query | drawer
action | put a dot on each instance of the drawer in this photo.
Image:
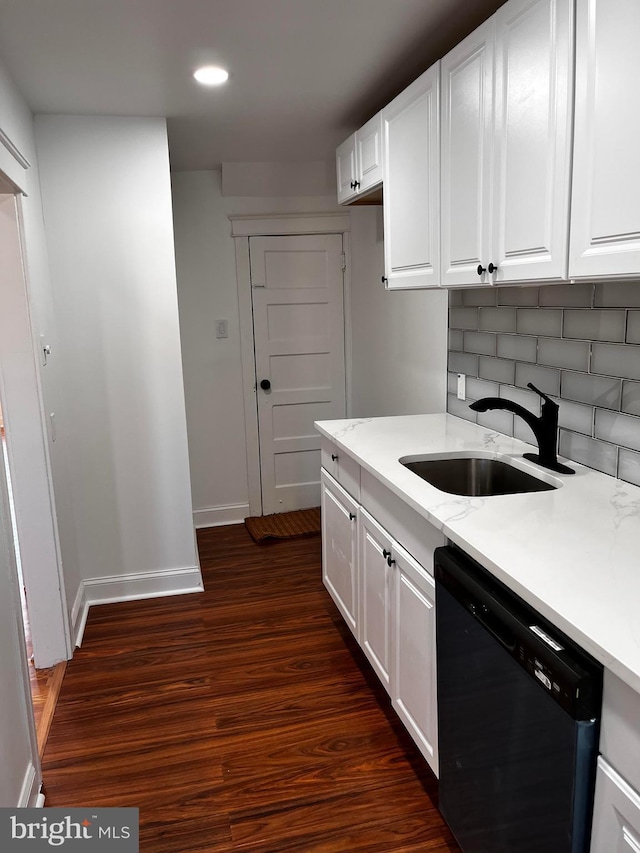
(620, 730)
(341, 466)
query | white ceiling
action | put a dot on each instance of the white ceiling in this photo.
(304, 73)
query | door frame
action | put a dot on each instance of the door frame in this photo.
(242, 228)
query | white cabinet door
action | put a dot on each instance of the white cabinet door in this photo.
(346, 171)
(413, 678)
(359, 163)
(616, 814)
(532, 140)
(369, 154)
(412, 185)
(506, 147)
(340, 548)
(605, 214)
(376, 575)
(467, 140)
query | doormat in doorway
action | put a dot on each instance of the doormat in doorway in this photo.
(283, 525)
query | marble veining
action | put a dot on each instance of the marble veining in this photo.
(571, 552)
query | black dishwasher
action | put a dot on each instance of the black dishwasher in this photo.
(518, 719)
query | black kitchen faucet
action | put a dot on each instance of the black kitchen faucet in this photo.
(545, 427)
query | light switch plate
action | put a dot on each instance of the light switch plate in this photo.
(462, 391)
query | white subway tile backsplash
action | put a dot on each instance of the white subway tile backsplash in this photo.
(497, 369)
(618, 429)
(498, 420)
(601, 391)
(463, 318)
(462, 362)
(517, 295)
(617, 294)
(455, 298)
(596, 454)
(616, 360)
(529, 399)
(477, 388)
(497, 319)
(575, 416)
(573, 355)
(629, 466)
(482, 343)
(517, 347)
(594, 325)
(460, 408)
(539, 321)
(633, 328)
(567, 296)
(547, 379)
(455, 339)
(578, 343)
(479, 296)
(631, 397)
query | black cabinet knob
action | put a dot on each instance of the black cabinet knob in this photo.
(481, 269)
(356, 185)
(390, 562)
(352, 185)
(334, 457)
(386, 554)
(352, 517)
(384, 279)
(265, 384)
(492, 268)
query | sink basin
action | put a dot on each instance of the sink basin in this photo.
(475, 476)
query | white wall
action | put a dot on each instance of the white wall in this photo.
(207, 291)
(399, 338)
(107, 206)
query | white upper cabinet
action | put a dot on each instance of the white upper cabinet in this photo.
(359, 161)
(605, 216)
(506, 147)
(412, 184)
(467, 132)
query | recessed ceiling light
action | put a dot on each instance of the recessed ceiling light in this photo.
(211, 75)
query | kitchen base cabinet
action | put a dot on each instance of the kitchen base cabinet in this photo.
(616, 815)
(340, 548)
(413, 692)
(385, 595)
(376, 578)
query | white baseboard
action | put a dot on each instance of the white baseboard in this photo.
(216, 516)
(30, 788)
(132, 587)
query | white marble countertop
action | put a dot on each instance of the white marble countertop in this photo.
(573, 552)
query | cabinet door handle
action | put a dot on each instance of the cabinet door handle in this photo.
(352, 185)
(386, 554)
(492, 268)
(334, 457)
(356, 185)
(481, 269)
(351, 516)
(390, 562)
(384, 279)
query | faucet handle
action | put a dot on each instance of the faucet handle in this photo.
(543, 395)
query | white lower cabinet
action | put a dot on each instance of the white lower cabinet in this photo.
(340, 548)
(388, 600)
(413, 682)
(376, 578)
(616, 814)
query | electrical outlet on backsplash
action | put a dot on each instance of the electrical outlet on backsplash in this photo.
(578, 343)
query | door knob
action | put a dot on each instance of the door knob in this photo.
(265, 384)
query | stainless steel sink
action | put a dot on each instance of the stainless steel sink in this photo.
(475, 476)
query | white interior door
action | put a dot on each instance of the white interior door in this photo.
(298, 323)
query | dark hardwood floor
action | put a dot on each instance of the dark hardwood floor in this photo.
(241, 719)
